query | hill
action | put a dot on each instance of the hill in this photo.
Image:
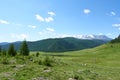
(102, 60)
(59, 44)
(99, 63)
(4, 43)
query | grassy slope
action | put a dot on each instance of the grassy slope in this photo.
(103, 60)
(100, 63)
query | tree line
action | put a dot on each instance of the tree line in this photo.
(24, 50)
(116, 40)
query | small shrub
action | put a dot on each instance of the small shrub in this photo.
(39, 62)
(47, 61)
(30, 58)
(4, 60)
(37, 54)
(87, 72)
(77, 77)
(20, 59)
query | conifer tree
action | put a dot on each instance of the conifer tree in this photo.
(4, 52)
(11, 50)
(116, 40)
(24, 50)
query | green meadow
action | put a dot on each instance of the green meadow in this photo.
(100, 63)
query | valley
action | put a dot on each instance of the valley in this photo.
(100, 63)
(59, 40)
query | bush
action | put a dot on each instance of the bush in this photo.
(39, 62)
(37, 54)
(47, 61)
(77, 76)
(4, 60)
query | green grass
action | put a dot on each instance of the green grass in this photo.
(100, 63)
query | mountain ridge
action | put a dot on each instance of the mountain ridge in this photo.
(59, 44)
(91, 36)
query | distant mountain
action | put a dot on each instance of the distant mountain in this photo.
(99, 37)
(4, 43)
(60, 44)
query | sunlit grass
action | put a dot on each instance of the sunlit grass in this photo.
(100, 63)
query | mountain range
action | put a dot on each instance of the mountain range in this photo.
(61, 44)
(91, 36)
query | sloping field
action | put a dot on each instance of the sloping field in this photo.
(100, 63)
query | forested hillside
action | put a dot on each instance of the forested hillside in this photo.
(59, 44)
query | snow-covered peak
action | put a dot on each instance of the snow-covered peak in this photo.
(100, 37)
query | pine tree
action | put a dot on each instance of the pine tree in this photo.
(24, 50)
(4, 52)
(116, 40)
(11, 50)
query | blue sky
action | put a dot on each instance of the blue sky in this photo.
(39, 19)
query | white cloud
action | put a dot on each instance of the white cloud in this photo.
(86, 11)
(108, 34)
(47, 31)
(65, 35)
(40, 18)
(32, 26)
(45, 19)
(4, 22)
(68, 35)
(51, 13)
(116, 25)
(41, 33)
(19, 36)
(23, 36)
(112, 13)
(50, 29)
(16, 24)
(49, 19)
(100, 34)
